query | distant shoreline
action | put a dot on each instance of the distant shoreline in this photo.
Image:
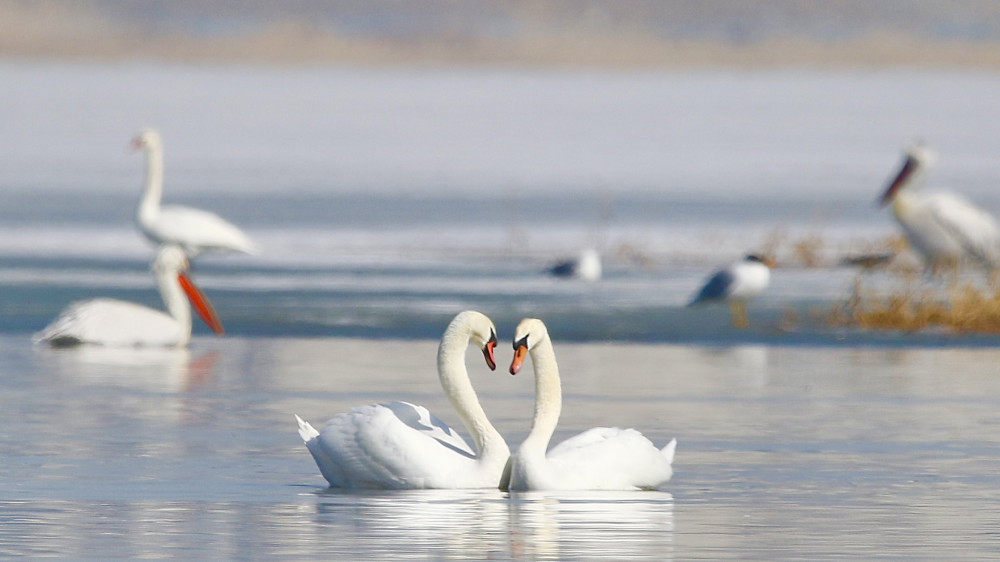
(286, 47)
(46, 30)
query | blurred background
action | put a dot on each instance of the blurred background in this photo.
(395, 161)
(629, 33)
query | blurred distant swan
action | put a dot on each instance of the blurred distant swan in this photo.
(601, 458)
(586, 266)
(400, 445)
(120, 323)
(736, 285)
(944, 228)
(192, 229)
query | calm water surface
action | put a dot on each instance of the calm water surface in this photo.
(387, 200)
(785, 452)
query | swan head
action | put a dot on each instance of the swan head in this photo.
(480, 330)
(171, 266)
(148, 139)
(916, 159)
(528, 334)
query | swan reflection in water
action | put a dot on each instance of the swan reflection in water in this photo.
(591, 524)
(489, 524)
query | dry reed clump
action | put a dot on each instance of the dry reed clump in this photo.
(962, 308)
(804, 251)
(813, 251)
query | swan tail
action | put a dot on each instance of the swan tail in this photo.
(306, 431)
(667, 451)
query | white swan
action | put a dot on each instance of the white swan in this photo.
(601, 458)
(943, 227)
(120, 323)
(399, 445)
(192, 229)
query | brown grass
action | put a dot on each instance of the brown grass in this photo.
(813, 250)
(962, 308)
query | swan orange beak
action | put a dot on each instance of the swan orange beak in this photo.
(491, 360)
(519, 353)
(200, 303)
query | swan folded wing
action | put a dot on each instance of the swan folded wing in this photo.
(372, 447)
(196, 229)
(611, 458)
(421, 419)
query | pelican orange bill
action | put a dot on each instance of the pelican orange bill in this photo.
(200, 303)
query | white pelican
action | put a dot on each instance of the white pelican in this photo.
(601, 458)
(945, 229)
(192, 229)
(586, 266)
(398, 445)
(736, 285)
(120, 323)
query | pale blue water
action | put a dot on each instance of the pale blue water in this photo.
(387, 200)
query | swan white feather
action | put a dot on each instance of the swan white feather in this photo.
(398, 445)
(602, 458)
(194, 230)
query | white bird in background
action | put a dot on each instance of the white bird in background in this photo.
(943, 227)
(736, 285)
(192, 229)
(119, 323)
(601, 458)
(586, 266)
(398, 445)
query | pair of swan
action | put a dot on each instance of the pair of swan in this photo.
(401, 445)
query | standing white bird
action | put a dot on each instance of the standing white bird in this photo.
(945, 229)
(601, 458)
(736, 285)
(192, 229)
(586, 266)
(398, 445)
(119, 323)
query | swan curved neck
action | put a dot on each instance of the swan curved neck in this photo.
(548, 397)
(150, 205)
(454, 378)
(175, 301)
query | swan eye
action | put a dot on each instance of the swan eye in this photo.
(493, 337)
(523, 341)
